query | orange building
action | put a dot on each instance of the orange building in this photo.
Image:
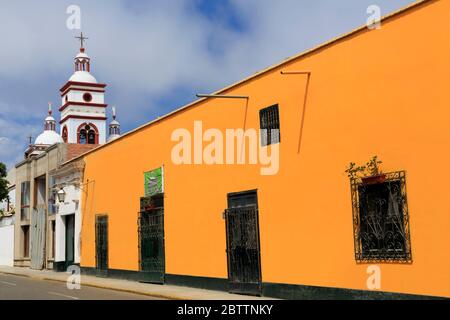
(302, 229)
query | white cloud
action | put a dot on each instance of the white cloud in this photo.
(147, 50)
(14, 133)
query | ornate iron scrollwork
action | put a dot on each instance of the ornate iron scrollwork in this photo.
(381, 220)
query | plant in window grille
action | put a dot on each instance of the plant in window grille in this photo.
(270, 125)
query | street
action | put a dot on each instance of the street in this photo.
(24, 288)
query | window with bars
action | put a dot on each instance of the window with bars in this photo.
(381, 220)
(25, 200)
(52, 195)
(270, 125)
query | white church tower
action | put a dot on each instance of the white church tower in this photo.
(83, 108)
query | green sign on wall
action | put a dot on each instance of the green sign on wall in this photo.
(153, 182)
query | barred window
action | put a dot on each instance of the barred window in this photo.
(25, 200)
(270, 125)
(52, 195)
(381, 220)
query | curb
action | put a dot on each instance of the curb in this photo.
(15, 274)
(93, 285)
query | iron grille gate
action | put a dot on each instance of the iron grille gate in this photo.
(243, 250)
(151, 240)
(101, 243)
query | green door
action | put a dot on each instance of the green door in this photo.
(151, 241)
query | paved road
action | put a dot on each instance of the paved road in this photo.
(23, 288)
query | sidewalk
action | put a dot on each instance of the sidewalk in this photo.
(160, 291)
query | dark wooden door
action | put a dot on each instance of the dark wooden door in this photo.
(243, 244)
(101, 243)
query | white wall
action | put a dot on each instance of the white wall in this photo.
(70, 206)
(7, 245)
(77, 96)
(60, 239)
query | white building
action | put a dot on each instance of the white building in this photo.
(68, 181)
(7, 223)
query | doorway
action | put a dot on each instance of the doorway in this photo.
(151, 239)
(243, 243)
(101, 243)
(38, 231)
(70, 240)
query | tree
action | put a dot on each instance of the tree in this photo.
(3, 182)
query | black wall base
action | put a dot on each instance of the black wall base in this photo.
(61, 266)
(300, 292)
(272, 290)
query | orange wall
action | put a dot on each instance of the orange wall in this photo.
(383, 92)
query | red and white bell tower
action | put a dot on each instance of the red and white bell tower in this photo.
(83, 108)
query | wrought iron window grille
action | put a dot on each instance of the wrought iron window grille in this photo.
(270, 125)
(381, 220)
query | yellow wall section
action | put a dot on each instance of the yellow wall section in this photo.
(383, 92)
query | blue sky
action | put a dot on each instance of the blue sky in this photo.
(154, 55)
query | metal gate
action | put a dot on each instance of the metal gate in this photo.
(101, 243)
(38, 239)
(243, 250)
(151, 240)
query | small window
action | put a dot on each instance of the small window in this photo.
(381, 220)
(91, 137)
(270, 125)
(87, 97)
(64, 134)
(25, 201)
(52, 195)
(82, 139)
(87, 134)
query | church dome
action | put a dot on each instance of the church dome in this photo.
(50, 119)
(82, 55)
(83, 76)
(48, 137)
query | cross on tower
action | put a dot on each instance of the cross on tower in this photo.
(82, 38)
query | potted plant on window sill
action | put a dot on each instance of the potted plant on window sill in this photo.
(379, 178)
(375, 175)
(369, 174)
